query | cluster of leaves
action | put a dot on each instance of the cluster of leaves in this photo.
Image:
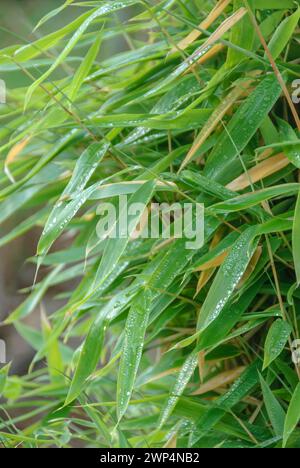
(157, 345)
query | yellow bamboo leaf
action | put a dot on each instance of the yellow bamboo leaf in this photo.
(214, 120)
(193, 35)
(207, 274)
(217, 35)
(259, 172)
(220, 380)
(225, 26)
(214, 263)
(204, 279)
(13, 153)
(253, 262)
(172, 442)
(208, 55)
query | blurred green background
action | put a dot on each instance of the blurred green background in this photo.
(17, 21)
(18, 18)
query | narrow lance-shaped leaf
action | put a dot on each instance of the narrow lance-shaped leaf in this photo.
(283, 34)
(242, 127)
(182, 380)
(64, 209)
(202, 50)
(54, 358)
(135, 330)
(273, 407)
(228, 278)
(44, 43)
(3, 376)
(288, 134)
(293, 416)
(296, 239)
(236, 393)
(276, 340)
(116, 246)
(84, 69)
(242, 33)
(250, 199)
(190, 119)
(89, 357)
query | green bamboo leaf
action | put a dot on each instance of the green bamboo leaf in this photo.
(65, 210)
(116, 246)
(296, 237)
(84, 69)
(89, 357)
(242, 127)
(135, 330)
(242, 34)
(54, 358)
(274, 409)
(236, 393)
(188, 120)
(289, 135)
(182, 380)
(293, 416)
(276, 340)
(248, 200)
(228, 318)
(169, 102)
(228, 278)
(3, 377)
(283, 34)
(127, 188)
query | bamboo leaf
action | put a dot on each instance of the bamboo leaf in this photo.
(242, 127)
(274, 409)
(283, 34)
(84, 69)
(135, 329)
(293, 416)
(116, 246)
(89, 357)
(227, 278)
(3, 377)
(296, 237)
(276, 340)
(64, 211)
